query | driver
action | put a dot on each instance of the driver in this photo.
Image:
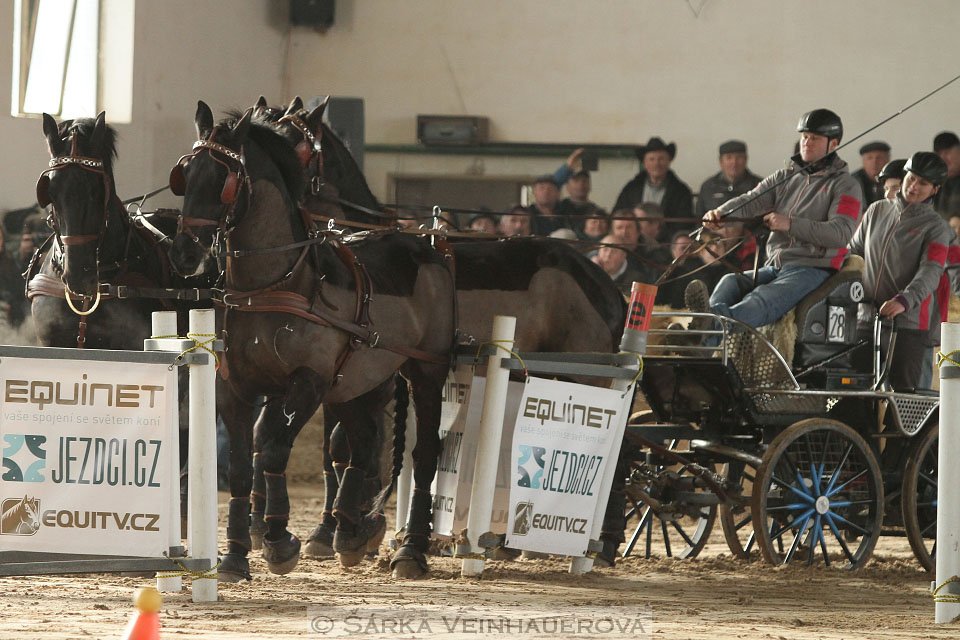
(811, 213)
(904, 245)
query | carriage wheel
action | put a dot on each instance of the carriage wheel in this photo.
(680, 535)
(919, 497)
(737, 520)
(818, 494)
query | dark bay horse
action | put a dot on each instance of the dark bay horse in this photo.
(562, 301)
(300, 327)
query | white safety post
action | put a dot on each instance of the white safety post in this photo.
(164, 323)
(405, 481)
(202, 465)
(634, 341)
(948, 476)
(488, 445)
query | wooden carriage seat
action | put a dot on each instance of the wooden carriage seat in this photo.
(824, 322)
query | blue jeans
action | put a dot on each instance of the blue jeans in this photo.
(777, 291)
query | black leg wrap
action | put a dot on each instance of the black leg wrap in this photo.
(277, 513)
(346, 507)
(330, 488)
(419, 521)
(614, 518)
(238, 526)
(258, 497)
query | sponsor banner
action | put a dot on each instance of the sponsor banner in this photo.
(451, 489)
(89, 449)
(565, 438)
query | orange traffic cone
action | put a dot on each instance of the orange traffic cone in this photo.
(145, 624)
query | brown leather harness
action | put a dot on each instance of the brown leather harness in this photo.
(275, 298)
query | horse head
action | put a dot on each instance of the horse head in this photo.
(78, 183)
(214, 182)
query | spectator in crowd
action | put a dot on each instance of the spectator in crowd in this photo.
(13, 302)
(947, 145)
(514, 223)
(626, 228)
(595, 225)
(811, 209)
(483, 222)
(35, 231)
(890, 178)
(731, 235)
(873, 156)
(734, 179)
(657, 183)
(544, 215)
(614, 262)
(904, 243)
(954, 223)
(650, 224)
(670, 292)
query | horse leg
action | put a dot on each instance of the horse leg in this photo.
(360, 526)
(409, 561)
(614, 518)
(320, 542)
(277, 429)
(238, 417)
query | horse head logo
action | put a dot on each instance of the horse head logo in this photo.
(522, 518)
(20, 516)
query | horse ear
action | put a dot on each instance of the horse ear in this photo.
(99, 132)
(203, 119)
(316, 116)
(239, 133)
(52, 133)
(261, 103)
(295, 105)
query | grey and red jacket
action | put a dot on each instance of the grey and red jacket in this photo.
(823, 207)
(905, 248)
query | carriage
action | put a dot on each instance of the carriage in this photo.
(804, 456)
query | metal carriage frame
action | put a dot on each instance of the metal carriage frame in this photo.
(838, 459)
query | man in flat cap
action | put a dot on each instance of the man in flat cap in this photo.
(946, 144)
(658, 184)
(874, 156)
(544, 217)
(734, 179)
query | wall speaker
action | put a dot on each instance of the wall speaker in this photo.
(345, 117)
(311, 13)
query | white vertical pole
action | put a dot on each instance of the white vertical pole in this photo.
(164, 323)
(405, 481)
(488, 445)
(948, 474)
(202, 466)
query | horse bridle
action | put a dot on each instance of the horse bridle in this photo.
(94, 165)
(310, 149)
(235, 164)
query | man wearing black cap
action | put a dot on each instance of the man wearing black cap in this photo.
(544, 218)
(658, 184)
(946, 144)
(873, 155)
(734, 179)
(811, 209)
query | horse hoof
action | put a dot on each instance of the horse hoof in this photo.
(320, 543)
(257, 528)
(233, 568)
(350, 558)
(281, 555)
(408, 563)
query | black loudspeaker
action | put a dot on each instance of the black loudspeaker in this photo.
(311, 13)
(345, 117)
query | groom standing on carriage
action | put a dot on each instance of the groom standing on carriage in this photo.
(811, 209)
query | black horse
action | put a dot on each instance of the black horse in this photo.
(562, 301)
(301, 327)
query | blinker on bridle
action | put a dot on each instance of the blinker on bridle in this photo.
(94, 165)
(236, 178)
(308, 149)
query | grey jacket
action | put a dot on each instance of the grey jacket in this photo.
(905, 248)
(823, 207)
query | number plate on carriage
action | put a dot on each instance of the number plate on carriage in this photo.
(836, 324)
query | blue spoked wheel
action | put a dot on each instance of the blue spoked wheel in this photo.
(919, 498)
(818, 496)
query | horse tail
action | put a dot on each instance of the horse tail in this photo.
(401, 401)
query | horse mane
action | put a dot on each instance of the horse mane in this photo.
(352, 179)
(264, 133)
(84, 129)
